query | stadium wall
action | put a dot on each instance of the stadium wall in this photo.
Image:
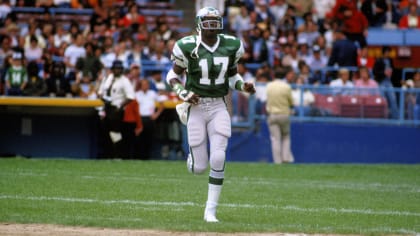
(315, 142)
(35, 134)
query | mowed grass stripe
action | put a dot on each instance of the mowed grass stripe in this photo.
(232, 205)
(378, 187)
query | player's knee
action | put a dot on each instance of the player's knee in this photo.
(199, 169)
(217, 160)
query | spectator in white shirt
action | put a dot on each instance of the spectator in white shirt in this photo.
(33, 52)
(5, 9)
(241, 22)
(321, 8)
(61, 35)
(73, 52)
(317, 61)
(147, 99)
(343, 84)
(278, 9)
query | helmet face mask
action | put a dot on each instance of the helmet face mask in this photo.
(211, 24)
(208, 18)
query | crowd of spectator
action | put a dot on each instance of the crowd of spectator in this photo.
(300, 39)
(291, 39)
(73, 57)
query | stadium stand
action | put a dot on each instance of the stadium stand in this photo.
(335, 105)
(156, 5)
(173, 17)
(150, 10)
(374, 106)
(350, 106)
(329, 103)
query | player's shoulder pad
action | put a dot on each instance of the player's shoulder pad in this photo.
(187, 43)
(230, 39)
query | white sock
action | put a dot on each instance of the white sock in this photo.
(213, 198)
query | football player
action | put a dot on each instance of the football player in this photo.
(209, 60)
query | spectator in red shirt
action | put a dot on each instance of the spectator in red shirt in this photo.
(412, 19)
(337, 12)
(354, 23)
(132, 18)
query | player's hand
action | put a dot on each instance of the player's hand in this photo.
(188, 96)
(194, 99)
(249, 87)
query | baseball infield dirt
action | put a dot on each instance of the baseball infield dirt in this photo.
(58, 230)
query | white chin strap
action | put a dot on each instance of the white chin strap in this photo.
(194, 53)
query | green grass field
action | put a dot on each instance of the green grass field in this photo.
(257, 197)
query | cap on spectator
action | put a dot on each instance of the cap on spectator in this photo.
(316, 48)
(283, 40)
(117, 64)
(17, 55)
(134, 65)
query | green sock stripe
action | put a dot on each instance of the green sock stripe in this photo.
(192, 160)
(215, 181)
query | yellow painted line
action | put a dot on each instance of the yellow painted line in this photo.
(62, 102)
(170, 104)
(49, 102)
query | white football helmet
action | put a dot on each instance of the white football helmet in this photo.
(209, 18)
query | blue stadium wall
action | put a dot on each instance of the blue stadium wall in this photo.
(314, 142)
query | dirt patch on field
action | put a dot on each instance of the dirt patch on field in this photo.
(53, 230)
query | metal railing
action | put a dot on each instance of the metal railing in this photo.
(387, 106)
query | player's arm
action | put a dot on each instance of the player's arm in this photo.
(235, 79)
(237, 82)
(173, 79)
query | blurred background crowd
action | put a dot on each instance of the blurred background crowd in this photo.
(69, 54)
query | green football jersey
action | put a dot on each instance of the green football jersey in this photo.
(16, 76)
(207, 75)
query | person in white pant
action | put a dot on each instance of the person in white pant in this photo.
(210, 62)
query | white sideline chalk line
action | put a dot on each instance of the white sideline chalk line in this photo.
(158, 203)
(379, 187)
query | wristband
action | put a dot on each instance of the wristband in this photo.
(182, 93)
(178, 88)
(236, 82)
(239, 85)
